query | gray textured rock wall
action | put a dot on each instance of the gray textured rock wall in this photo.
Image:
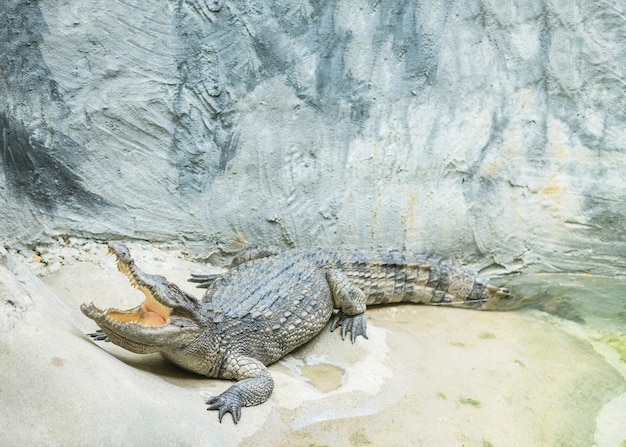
(485, 130)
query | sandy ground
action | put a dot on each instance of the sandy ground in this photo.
(427, 376)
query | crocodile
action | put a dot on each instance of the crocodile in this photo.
(270, 302)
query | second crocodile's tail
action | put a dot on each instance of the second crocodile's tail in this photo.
(395, 277)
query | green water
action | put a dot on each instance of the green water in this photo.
(596, 304)
(593, 301)
(593, 309)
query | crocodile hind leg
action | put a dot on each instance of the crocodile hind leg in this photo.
(252, 253)
(350, 300)
(245, 255)
(254, 386)
(204, 281)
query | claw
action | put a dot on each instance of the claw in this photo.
(345, 327)
(204, 280)
(224, 405)
(99, 335)
(355, 324)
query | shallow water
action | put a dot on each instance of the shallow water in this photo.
(596, 303)
(591, 308)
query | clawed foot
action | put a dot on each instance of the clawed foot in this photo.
(226, 403)
(99, 335)
(355, 324)
(204, 280)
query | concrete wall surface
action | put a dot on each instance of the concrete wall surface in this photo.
(490, 131)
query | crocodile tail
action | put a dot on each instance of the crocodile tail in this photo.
(404, 277)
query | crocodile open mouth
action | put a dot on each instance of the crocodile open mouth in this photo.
(151, 312)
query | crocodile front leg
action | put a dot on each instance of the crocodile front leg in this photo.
(254, 386)
(350, 300)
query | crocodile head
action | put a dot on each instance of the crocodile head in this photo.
(169, 318)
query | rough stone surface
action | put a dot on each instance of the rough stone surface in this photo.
(426, 376)
(486, 130)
